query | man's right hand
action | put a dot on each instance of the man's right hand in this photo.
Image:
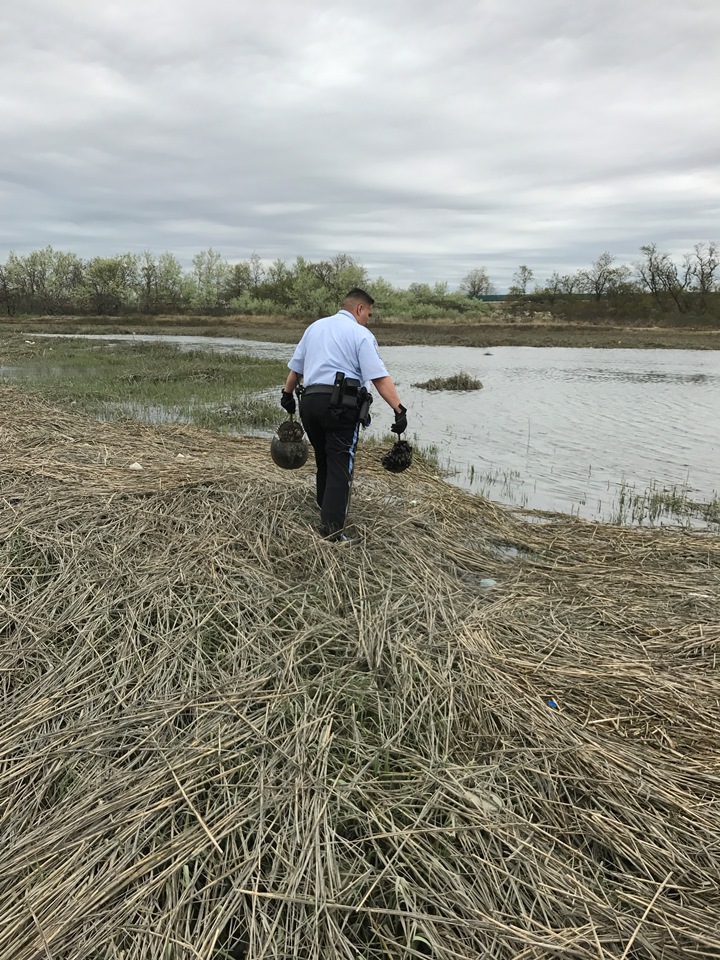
(400, 425)
(287, 402)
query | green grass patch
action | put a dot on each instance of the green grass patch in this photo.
(147, 381)
(658, 503)
(458, 381)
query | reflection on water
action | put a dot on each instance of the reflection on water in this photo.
(621, 376)
(555, 428)
(645, 376)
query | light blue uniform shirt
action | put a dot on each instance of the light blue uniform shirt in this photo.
(337, 343)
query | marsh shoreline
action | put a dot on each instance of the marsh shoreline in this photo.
(389, 332)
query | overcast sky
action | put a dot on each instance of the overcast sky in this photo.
(423, 138)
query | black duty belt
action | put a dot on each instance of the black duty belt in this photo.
(318, 388)
(352, 385)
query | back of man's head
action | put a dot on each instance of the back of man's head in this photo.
(355, 296)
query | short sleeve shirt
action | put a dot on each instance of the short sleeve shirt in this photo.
(337, 344)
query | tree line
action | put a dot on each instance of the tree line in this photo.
(689, 285)
(55, 282)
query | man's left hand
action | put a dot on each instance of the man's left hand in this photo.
(287, 402)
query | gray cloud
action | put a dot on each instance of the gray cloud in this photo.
(424, 139)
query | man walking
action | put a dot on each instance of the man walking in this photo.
(336, 358)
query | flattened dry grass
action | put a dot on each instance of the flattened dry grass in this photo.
(223, 737)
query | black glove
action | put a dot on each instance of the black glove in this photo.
(287, 402)
(400, 425)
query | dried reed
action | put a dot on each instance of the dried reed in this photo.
(224, 737)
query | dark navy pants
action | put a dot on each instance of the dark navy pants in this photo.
(334, 436)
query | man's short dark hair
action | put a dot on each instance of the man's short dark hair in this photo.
(356, 295)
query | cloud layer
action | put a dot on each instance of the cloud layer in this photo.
(422, 138)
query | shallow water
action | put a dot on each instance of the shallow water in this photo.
(553, 428)
(564, 429)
